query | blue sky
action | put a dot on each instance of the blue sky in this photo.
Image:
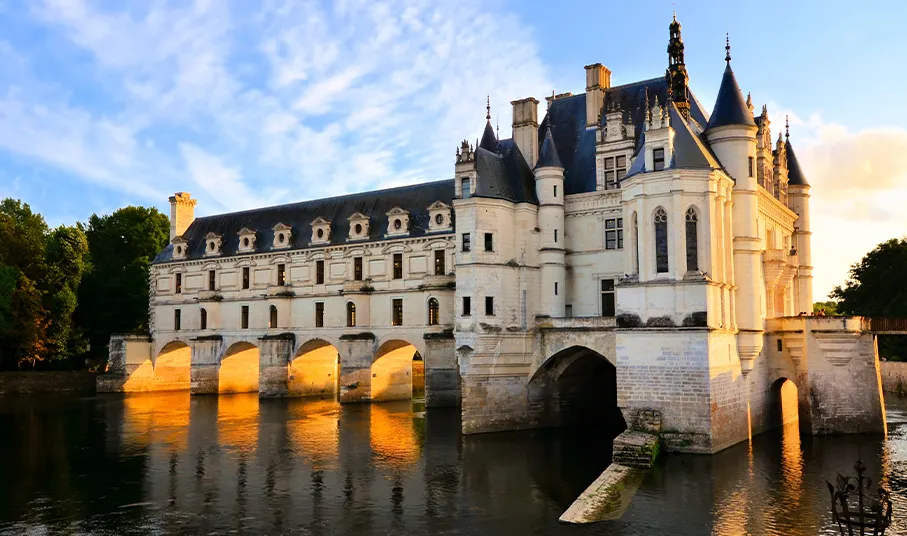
(109, 103)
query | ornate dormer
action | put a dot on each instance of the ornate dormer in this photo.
(465, 170)
(180, 247)
(439, 217)
(321, 231)
(397, 222)
(358, 226)
(246, 240)
(213, 244)
(283, 235)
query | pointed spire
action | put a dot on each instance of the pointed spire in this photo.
(548, 153)
(794, 173)
(786, 126)
(727, 48)
(489, 140)
(488, 108)
(730, 107)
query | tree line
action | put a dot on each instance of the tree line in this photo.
(64, 290)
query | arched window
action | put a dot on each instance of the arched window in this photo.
(203, 324)
(692, 232)
(350, 314)
(636, 243)
(661, 241)
(273, 321)
(434, 312)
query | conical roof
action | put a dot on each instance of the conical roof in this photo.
(489, 140)
(794, 173)
(548, 153)
(730, 106)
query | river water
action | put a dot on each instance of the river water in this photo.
(171, 464)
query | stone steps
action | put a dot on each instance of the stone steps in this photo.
(635, 449)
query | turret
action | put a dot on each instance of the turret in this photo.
(798, 201)
(549, 188)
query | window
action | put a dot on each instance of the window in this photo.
(398, 266)
(397, 312)
(489, 305)
(281, 274)
(466, 244)
(661, 241)
(244, 320)
(203, 322)
(555, 288)
(752, 166)
(555, 235)
(272, 321)
(350, 314)
(464, 184)
(607, 297)
(615, 169)
(467, 306)
(357, 268)
(692, 236)
(555, 190)
(434, 312)
(439, 262)
(177, 314)
(658, 158)
(439, 219)
(780, 347)
(489, 242)
(212, 279)
(614, 233)
(319, 272)
(179, 283)
(636, 241)
(245, 277)
(319, 314)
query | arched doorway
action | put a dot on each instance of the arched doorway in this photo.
(784, 405)
(315, 370)
(171, 368)
(392, 371)
(239, 369)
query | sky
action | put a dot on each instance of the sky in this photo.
(104, 104)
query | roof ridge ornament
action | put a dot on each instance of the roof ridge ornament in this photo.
(727, 47)
(488, 108)
(786, 127)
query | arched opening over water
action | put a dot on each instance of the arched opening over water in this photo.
(315, 370)
(783, 404)
(393, 371)
(239, 369)
(171, 368)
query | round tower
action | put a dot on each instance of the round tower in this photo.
(549, 188)
(798, 201)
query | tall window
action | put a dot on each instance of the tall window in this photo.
(177, 317)
(272, 321)
(281, 274)
(615, 169)
(467, 306)
(397, 312)
(464, 184)
(489, 242)
(244, 317)
(607, 297)
(245, 277)
(357, 268)
(752, 162)
(434, 312)
(212, 279)
(555, 288)
(636, 241)
(555, 190)
(489, 305)
(658, 158)
(203, 321)
(179, 283)
(319, 314)
(614, 233)
(466, 242)
(692, 222)
(350, 314)
(555, 235)
(661, 241)
(398, 266)
(319, 272)
(439, 262)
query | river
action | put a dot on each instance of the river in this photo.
(174, 464)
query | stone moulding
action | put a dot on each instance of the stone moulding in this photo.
(838, 348)
(364, 336)
(440, 335)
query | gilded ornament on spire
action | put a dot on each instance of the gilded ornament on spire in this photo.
(676, 75)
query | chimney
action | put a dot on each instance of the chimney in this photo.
(526, 128)
(182, 213)
(598, 80)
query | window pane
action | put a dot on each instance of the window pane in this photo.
(489, 242)
(467, 306)
(692, 247)
(621, 161)
(609, 163)
(607, 285)
(661, 241)
(610, 223)
(608, 304)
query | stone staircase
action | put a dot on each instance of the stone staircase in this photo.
(633, 448)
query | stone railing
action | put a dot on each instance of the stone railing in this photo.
(438, 281)
(576, 322)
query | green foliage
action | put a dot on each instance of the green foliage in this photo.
(827, 308)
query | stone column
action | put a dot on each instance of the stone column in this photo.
(356, 354)
(275, 354)
(203, 373)
(442, 374)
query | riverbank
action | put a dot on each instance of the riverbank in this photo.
(63, 381)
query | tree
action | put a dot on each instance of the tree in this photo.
(66, 261)
(826, 308)
(113, 297)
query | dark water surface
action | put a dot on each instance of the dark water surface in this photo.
(168, 464)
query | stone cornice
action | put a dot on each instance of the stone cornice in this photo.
(775, 211)
(592, 203)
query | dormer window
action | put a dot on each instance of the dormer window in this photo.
(658, 159)
(213, 243)
(397, 222)
(246, 240)
(358, 226)
(439, 217)
(465, 191)
(282, 235)
(321, 231)
(615, 169)
(180, 248)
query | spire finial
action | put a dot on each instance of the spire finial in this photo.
(727, 48)
(497, 127)
(488, 108)
(786, 127)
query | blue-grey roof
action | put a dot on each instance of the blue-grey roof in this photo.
(415, 199)
(504, 174)
(489, 140)
(794, 173)
(730, 106)
(548, 153)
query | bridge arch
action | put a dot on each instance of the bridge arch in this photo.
(783, 406)
(393, 366)
(172, 366)
(314, 369)
(239, 368)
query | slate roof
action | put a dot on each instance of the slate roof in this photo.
(299, 216)
(504, 174)
(548, 153)
(794, 173)
(489, 140)
(730, 107)
(691, 151)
